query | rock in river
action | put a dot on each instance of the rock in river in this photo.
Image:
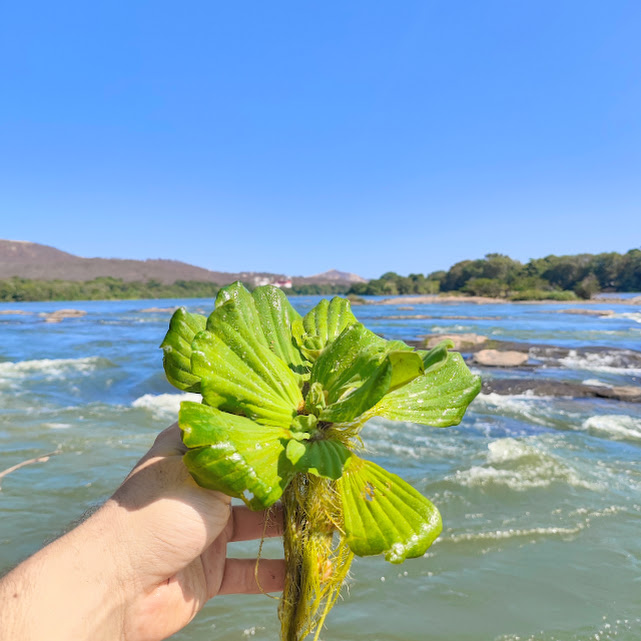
(462, 342)
(496, 358)
(59, 314)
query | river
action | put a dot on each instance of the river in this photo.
(540, 496)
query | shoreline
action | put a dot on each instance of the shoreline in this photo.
(409, 299)
(424, 299)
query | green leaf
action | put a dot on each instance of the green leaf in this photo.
(240, 375)
(295, 451)
(176, 347)
(385, 515)
(354, 371)
(406, 366)
(244, 319)
(305, 424)
(269, 315)
(241, 331)
(233, 455)
(238, 293)
(398, 346)
(276, 317)
(437, 355)
(438, 398)
(322, 325)
(324, 458)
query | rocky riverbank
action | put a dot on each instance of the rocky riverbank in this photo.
(500, 361)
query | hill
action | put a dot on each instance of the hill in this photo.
(41, 262)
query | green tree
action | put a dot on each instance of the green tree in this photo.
(587, 287)
(486, 287)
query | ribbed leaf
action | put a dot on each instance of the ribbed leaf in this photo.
(233, 455)
(244, 319)
(323, 458)
(242, 332)
(322, 325)
(355, 373)
(385, 515)
(357, 369)
(276, 317)
(438, 398)
(269, 315)
(176, 347)
(240, 375)
(239, 294)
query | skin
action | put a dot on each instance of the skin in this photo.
(142, 566)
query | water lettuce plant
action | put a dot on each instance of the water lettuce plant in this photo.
(284, 399)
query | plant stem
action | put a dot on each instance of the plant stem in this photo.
(316, 564)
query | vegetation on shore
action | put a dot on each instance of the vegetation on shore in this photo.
(499, 276)
(551, 278)
(106, 288)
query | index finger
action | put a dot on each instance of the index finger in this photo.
(169, 442)
(248, 524)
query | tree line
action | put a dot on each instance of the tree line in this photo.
(495, 275)
(106, 288)
(103, 288)
(498, 275)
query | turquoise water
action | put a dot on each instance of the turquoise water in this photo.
(540, 497)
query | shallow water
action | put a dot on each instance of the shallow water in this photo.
(540, 497)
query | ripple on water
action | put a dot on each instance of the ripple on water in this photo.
(521, 465)
(164, 406)
(11, 373)
(621, 362)
(615, 426)
(609, 629)
(533, 409)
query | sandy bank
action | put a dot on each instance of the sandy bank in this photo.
(421, 300)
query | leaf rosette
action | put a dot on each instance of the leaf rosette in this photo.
(284, 399)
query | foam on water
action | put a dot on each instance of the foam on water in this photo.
(634, 316)
(513, 533)
(439, 329)
(509, 449)
(609, 629)
(616, 426)
(595, 382)
(533, 408)
(50, 369)
(572, 524)
(164, 405)
(57, 426)
(409, 442)
(520, 466)
(598, 362)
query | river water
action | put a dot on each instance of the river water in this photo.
(540, 496)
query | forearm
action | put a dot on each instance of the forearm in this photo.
(71, 589)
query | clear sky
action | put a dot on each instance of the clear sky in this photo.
(296, 137)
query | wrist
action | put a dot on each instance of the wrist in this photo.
(100, 546)
(82, 569)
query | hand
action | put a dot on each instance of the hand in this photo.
(144, 564)
(178, 547)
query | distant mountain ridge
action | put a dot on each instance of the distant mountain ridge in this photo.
(335, 276)
(42, 262)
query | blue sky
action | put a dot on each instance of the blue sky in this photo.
(296, 137)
